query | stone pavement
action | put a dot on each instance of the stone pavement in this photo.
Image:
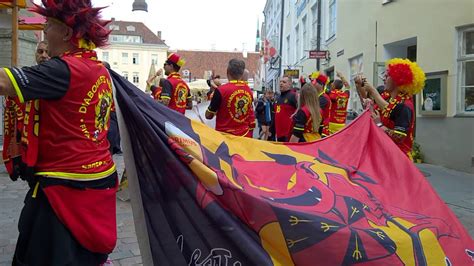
(11, 201)
(456, 189)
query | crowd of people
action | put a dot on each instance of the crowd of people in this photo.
(319, 107)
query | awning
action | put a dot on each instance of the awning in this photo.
(31, 23)
(198, 85)
(8, 3)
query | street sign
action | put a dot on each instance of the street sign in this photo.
(293, 73)
(314, 54)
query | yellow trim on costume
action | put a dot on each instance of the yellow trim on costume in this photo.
(76, 176)
(15, 84)
(165, 97)
(321, 93)
(298, 128)
(246, 132)
(238, 82)
(400, 133)
(35, 191)
(212, 112)
(84, 44)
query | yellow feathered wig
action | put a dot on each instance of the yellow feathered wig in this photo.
(406, 75)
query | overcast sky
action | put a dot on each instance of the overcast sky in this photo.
(195, 24)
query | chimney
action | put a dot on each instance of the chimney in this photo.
(159, 34)
(112, 19)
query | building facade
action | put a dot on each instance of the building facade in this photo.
(361, 35)
(133, 49)
(271, 41)
(300, 36)
(203, 64)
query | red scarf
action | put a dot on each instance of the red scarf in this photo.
(20, 143)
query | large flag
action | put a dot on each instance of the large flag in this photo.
(215, 199)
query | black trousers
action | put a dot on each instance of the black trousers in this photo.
(44, 240)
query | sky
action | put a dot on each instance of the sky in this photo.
(222, 25)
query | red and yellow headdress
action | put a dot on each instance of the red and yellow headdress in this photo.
(176, 59)
(406, 75)
(89, 29)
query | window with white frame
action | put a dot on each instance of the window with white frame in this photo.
(125, 75)
(297, 43)
(305, 33)
(154, 59)
(314, 23)
(136, 79)
(135, 57)
(466, 70)
(356, 67)
(105, 56)
(332, 19)
(288, 49)
(124, 58)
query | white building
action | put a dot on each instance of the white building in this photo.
(300, 35)
(133, 49)
(361, 35)
(271, 38)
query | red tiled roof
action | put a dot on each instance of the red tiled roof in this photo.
(198, 62)
(140, 30)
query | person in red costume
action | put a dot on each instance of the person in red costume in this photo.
(69, 213)
(320, 81)
(285, 107)
(175, 93)
(395, 112)
(339, 96)
(232, 103)
(308, 116)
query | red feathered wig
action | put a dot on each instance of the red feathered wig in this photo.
(89, 29)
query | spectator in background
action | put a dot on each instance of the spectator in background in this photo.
(264, 114)
(285, 106)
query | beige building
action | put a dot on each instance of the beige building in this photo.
(361, 35)
(133, 49)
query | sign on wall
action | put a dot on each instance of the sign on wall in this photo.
(293, 73)
(433, 96)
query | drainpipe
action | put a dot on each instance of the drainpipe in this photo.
(318, 38)
(281, 36)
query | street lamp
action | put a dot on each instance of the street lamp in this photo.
(140, 5)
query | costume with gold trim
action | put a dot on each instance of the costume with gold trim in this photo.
(233, 106)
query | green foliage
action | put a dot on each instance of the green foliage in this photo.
(417, 154)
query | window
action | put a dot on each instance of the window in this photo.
(125, 38)
(136, 79)
(332, 18)
(154, 59)
(130, 28)
(314, 25)
(466, 70)
(297, 43)
(288, 50)
(305, 34)
(105, 56)
(356, 66)
(125, 75)
(135, 57)
(124, 58)
(114, 27)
